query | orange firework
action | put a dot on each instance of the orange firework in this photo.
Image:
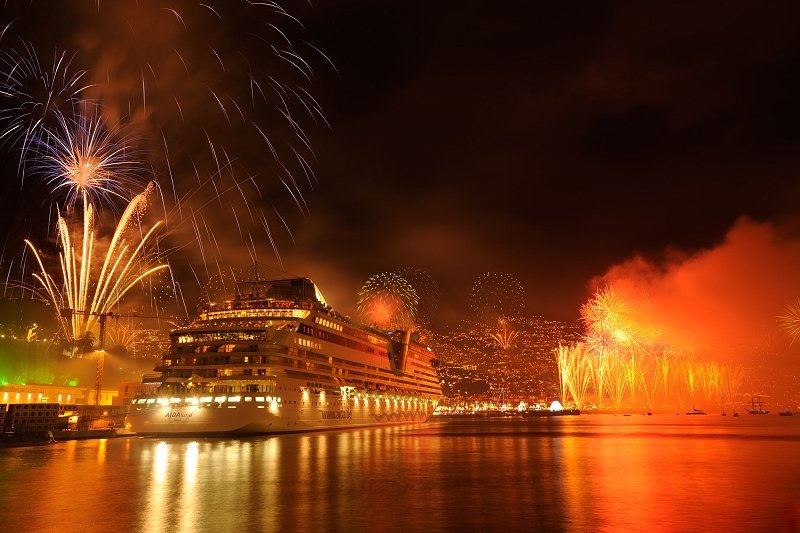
(607, 312)
(789, 321)
(388, 301)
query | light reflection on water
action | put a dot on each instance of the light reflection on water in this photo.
(588, 473)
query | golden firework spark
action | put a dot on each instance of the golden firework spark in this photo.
(504, 336)
(607, 312)
(85, 294)
(789, 321)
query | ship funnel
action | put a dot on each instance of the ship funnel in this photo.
(398, 350)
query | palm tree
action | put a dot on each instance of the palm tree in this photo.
(84, 343)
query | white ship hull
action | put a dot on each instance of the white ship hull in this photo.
(248, 416)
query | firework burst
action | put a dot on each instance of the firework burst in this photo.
(789, 321)
(388, 301)
(607, 312)
(85, 158)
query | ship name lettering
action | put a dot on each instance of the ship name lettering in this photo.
(177, 414)
(337, 415)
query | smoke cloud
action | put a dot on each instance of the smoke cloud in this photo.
(718, 302)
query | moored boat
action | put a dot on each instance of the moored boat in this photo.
(757, 407)
(26, 438)
(696, 411)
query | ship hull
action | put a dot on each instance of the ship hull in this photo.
(252, 418)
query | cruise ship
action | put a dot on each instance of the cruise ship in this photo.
(276, 358)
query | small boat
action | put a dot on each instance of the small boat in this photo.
(26, 438)
(735, 413)
(695, 411)
(786, 412)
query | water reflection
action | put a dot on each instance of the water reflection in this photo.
(157, 500)
(101, 450)
(189, 495)
(587, 474)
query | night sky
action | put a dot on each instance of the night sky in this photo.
(547, 140)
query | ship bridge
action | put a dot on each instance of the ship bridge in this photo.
(260, 291)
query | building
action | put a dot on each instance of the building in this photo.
(129, 389)
(62, 394)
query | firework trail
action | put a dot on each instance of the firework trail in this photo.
(730, 383)
(88, 290)
(575, 372)
(35, 96)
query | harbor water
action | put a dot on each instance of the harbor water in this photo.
(581, 473)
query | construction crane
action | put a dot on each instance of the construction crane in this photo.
(101, 320)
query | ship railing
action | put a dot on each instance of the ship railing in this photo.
(245, 377)
(205, 399)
